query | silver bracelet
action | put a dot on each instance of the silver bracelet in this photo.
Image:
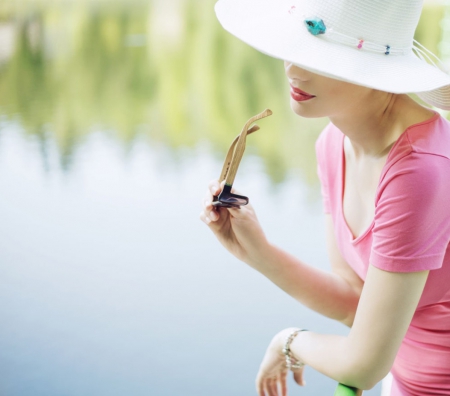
(291, 363)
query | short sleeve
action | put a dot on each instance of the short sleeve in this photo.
(412, 215)
(321, 172)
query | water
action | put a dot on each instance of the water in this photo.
(109, 282)
(111, 285)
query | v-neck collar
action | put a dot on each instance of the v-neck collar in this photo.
(354, 240)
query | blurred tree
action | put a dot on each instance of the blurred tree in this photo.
(163, 70)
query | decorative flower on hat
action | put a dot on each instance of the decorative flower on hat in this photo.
(315, 26)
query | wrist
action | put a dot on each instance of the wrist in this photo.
(279, 340)
(260, 257)
(286, 338)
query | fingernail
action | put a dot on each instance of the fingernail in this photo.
(213, 215)
(208, 220)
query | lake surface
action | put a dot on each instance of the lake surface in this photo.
(113, 119)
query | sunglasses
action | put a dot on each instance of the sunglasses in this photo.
(226, 198)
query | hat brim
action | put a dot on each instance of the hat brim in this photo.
(271, 29)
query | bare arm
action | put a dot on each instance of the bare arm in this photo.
(382, 319)
(333, 294)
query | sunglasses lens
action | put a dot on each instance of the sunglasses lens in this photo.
(219, 204)
(229, 200)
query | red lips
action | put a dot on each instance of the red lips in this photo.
(299, 95)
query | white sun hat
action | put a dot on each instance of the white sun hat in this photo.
(368, 43)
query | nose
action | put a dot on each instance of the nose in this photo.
(294, 72)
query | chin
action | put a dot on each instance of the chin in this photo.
(304, 110)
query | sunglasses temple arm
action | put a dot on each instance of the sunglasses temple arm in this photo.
(229, 157)
(240, 147)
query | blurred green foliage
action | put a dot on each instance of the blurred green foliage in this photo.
(163, 70)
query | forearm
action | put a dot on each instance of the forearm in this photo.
(339, 358)
(367, 354)
(324, 292)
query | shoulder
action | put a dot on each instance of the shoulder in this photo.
(411, 230)
(417, 180)
(430, 137)
(421, 155)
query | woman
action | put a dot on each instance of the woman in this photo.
(384, 166)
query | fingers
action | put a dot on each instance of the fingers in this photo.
(298, 377)
(272, 386)
(260, 388)
(237, 212)
(209, 213)
(205, 218)
(283, 384)
(240, 213)
(214, 187)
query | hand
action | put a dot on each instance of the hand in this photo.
(238, 230)
(272, 374)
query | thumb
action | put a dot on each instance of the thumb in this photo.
(298, 377)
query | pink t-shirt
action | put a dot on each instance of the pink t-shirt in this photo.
(410, 232)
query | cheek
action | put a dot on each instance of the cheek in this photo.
(336, 91)
(335, 96)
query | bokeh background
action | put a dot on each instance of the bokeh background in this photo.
(114, 115)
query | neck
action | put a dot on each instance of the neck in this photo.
(374, 124)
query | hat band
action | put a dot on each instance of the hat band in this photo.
(317, 27)
(427, 56)
(418, 49)
(361, 44)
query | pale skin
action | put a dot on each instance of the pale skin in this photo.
(372, 121)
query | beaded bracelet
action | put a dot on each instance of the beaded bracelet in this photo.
(291, 363)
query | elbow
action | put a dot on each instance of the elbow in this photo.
(378, 374)
(362, 381)
(364, 375)
(368, 383)
(349, 319)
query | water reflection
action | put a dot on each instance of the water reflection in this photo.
(163, 70)
(110, 285)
